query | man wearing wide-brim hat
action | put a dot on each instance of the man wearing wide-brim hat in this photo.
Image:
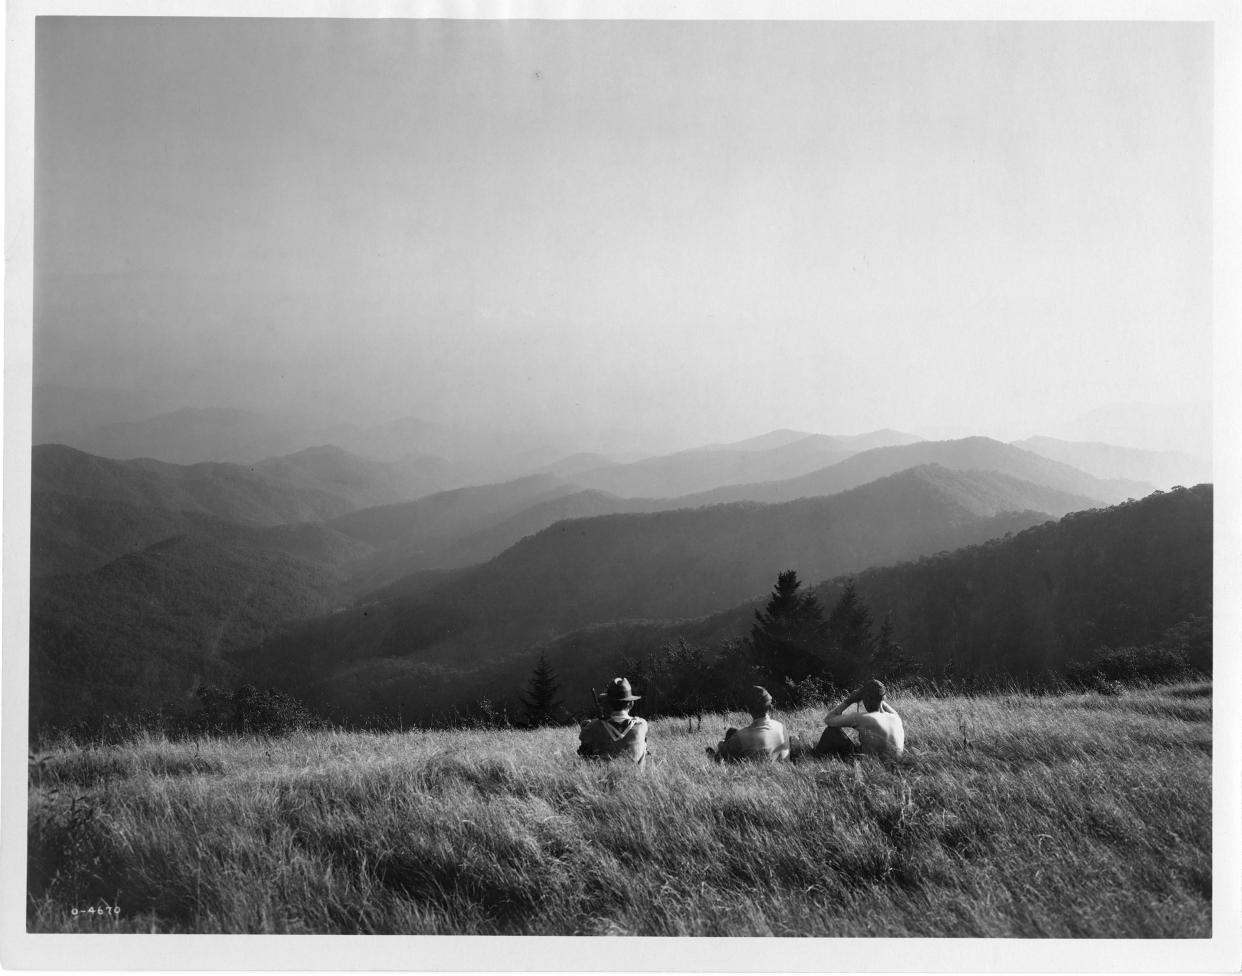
(764, 738)
(620, 735)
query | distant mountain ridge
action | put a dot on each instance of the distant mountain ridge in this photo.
(315, 484)
(985, 494)
(446, 512)
(193, 435)
(681, 563)
(768, 457)
(1028, 603)
(450, 456)
(1055, 593)
(60, 411)
(1184, 427)
(490, 536)
(1163, 469)
(971, 453)
(172, 566)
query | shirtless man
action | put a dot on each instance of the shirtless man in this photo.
(880, 730)
(764, 738)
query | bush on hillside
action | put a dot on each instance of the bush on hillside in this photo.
(249, 710)
(246, 710)
(810, 692)
(1129, 665)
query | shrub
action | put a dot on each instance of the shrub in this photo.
(810, 692)
(1129, 665)
(249, 710)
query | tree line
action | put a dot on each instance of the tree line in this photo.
(801, 654)
(805, 656)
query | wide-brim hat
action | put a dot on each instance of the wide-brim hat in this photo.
(619, 690)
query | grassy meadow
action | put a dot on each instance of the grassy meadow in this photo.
(1077, 815)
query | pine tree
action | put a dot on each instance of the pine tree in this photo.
(541, 701)
(889, 659)
(789, 636)
(850, 637)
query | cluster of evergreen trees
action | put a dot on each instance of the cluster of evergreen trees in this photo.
(795, 650)
(792, 643)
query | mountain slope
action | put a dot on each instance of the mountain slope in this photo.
(191, 435)
(312, 485)
(567, 467)
(359, 480)
(1164, 469)
(983, 493)
(768, 457)
(460, 545)
(971, 453)
(69, 534)
(1055, 593)
(1029, 603)
(467, 548)
(667, 564)
(449, 456)
(146, 627)
(447, 513)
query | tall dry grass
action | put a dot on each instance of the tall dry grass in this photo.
(1012, 815)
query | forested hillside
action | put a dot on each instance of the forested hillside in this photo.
(1028, 605)
(70, 534)
(134, 600)
(466, 543)
(1055, 593)
(666, 565)
(313, 486)
(147, 628)
(452, 542)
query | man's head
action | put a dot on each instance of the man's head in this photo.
(872, 694)
(619, 696)
(758, 702)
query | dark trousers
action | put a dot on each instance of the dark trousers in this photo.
(834, 742)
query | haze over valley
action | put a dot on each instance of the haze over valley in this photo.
(367, 584)
(373, 359)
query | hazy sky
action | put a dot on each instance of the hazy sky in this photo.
(714, 228)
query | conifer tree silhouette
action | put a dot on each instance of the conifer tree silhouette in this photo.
(789, 637)
(540, 700)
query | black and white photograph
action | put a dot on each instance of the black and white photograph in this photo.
(755, 478)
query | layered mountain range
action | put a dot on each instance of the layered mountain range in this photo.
(364, 582)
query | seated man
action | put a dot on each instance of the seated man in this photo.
(620, 735)
(764, 738)
(880, 730)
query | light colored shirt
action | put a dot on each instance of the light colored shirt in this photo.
(764, 738)
(880, 733)
(620, 735)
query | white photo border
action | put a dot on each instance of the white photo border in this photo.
(1223, 952)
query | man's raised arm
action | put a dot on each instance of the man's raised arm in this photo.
(837, 717)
